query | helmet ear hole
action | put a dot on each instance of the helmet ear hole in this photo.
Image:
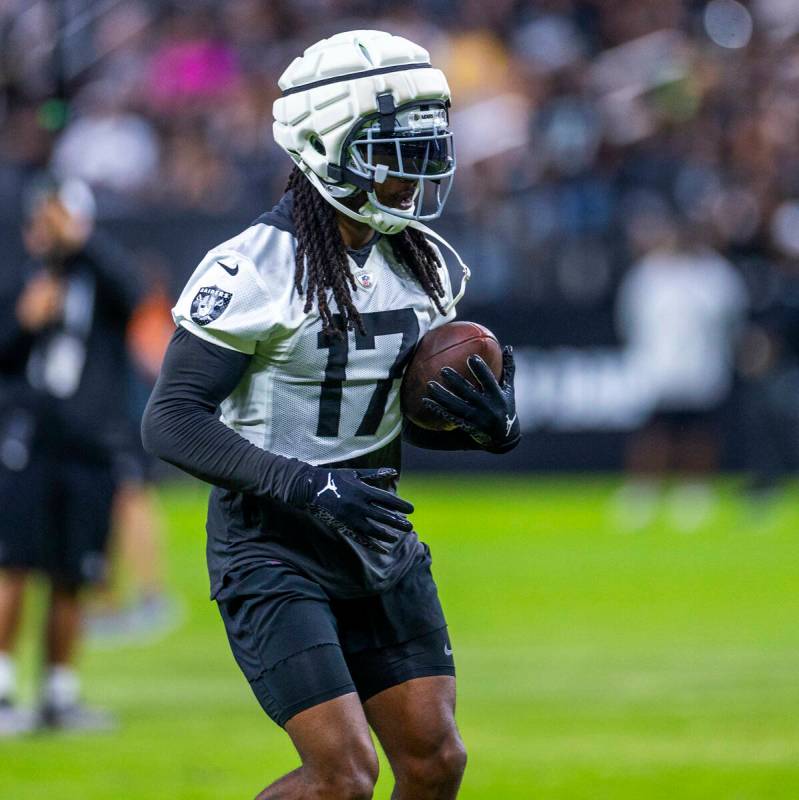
(317, 144)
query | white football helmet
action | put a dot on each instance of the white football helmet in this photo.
(362, 106)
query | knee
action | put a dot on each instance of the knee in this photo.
(352, 778)
(449, 762)
(441, 766)
(347, 784)
(355, 786)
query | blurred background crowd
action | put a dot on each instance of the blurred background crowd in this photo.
(627, 172)
(579, 123)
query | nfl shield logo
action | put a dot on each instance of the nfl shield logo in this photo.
(365, 279)
(209, 304)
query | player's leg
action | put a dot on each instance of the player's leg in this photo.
(63, 624)
(78, 537)
(23, 490)
(14, 721)
(338, 758)
(141, 537)
(23, 501)
(284, 637)
(135, 600)
(408, 692)
(415, 722)
(12, 590)
(61, 637)
(407, 687)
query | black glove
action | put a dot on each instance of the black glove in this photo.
(488, 416)
(355, 503)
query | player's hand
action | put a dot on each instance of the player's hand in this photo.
(356, 504)
(487, 414)
(55, 233)
(40, 302)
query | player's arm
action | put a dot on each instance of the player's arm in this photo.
(180, 426)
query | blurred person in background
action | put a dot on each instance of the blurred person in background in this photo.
(63, 318)
(680, 311)
(768, 363)
(136, 602)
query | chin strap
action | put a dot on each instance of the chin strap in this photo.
(466, 273)
(377, 220)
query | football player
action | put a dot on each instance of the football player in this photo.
(299, 329)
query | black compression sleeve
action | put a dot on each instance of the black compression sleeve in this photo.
(180, 423)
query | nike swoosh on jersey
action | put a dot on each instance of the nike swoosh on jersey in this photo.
(229, 270)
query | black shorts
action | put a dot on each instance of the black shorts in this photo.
(298, 648)
(55, 517)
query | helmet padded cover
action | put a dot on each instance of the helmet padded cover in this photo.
(320, 119)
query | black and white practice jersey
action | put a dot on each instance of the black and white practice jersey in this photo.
(307, 395)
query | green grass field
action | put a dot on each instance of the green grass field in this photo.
(592, 663)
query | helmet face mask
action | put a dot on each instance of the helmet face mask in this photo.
(419, 148)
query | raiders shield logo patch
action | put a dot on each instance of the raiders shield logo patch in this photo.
(209, 304)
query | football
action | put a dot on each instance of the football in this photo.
(447, 346)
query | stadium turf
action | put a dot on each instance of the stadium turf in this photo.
(592, 663)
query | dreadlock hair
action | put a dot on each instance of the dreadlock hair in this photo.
(321, 250)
